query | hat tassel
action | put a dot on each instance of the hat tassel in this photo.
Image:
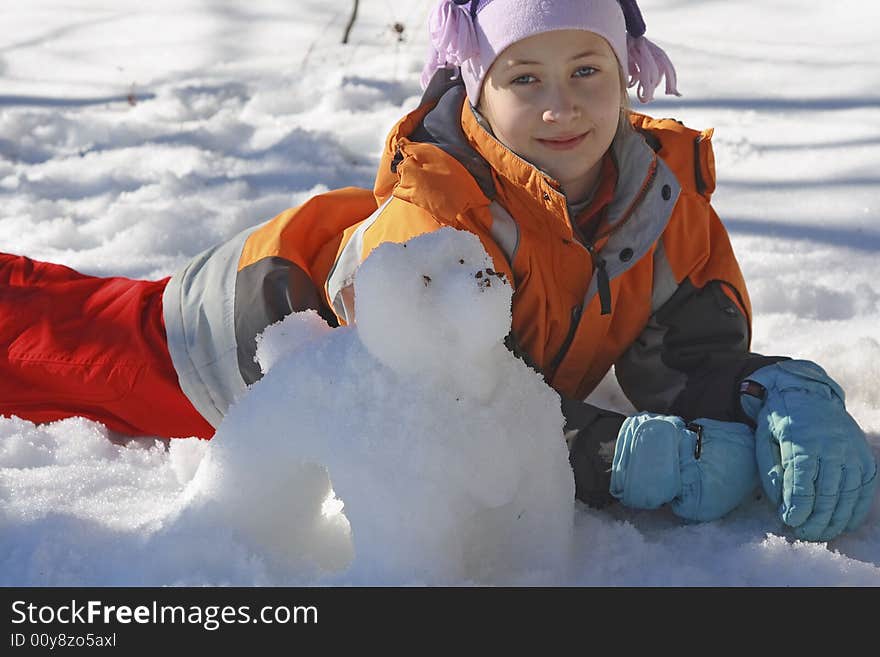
(648, 64)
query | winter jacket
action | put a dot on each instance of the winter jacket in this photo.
(657, 293)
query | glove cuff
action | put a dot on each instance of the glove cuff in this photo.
(801, 375)
(752, 395)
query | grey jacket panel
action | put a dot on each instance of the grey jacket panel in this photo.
(199, 313)
(266, 292)
(649, 218)
(647, 381)
(691, 357)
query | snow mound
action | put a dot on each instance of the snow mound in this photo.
(445, 452)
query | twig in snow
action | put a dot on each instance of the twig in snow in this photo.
(354, 13)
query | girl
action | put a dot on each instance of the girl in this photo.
(599, 217)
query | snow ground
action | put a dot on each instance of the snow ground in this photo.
(133, 136)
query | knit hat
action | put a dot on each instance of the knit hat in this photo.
(471, 34)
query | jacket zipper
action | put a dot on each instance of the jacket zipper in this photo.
(572, 329)
(603, 282)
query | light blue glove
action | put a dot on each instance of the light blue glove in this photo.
(705, 468)
(814, 461)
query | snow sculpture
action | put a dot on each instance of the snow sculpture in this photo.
(445, 450)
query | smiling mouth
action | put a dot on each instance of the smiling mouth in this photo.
(563, 143)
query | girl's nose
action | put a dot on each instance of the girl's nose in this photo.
(561, 108)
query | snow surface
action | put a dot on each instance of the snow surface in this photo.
(133, 136)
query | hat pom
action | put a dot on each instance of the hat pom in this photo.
(453, 38)
(648, 64)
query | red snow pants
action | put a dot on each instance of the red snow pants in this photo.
(76, 345)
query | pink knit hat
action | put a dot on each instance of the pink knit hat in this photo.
(471, 34)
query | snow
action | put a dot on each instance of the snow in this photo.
(134, 136)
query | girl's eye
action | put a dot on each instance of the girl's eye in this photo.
(585, 72)
(523, 79)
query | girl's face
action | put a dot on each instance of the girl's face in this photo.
(555, 100)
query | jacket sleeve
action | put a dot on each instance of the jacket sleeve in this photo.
(396, 220)
(393, 221)
(695, 349)
(218, 302)
(591, 433)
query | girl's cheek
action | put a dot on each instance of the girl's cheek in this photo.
(516, 116)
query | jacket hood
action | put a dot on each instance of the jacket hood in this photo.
(429, 161)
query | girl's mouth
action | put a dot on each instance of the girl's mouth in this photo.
(563, 143)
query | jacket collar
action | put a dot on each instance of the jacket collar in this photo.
(511, 168)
